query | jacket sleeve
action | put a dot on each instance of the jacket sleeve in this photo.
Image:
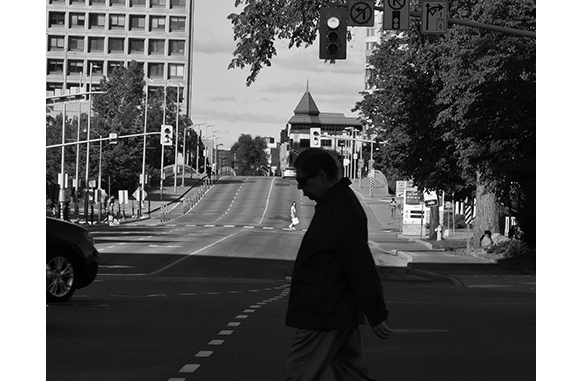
(353, 250)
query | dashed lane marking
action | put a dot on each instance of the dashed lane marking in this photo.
(203, 354)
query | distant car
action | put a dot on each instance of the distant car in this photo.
(289, 173)
(72, 260)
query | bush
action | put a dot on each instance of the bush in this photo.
(512, 249)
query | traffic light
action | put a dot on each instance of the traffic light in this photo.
(315, 137)
(333, 32)
(167, 135)
(113, 138)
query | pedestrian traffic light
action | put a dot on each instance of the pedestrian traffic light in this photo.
(167, 135)
(333, 32)
(315, 137)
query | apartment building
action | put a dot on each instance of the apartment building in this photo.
(87, 39)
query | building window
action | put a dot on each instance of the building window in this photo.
(96, 44)
(97, 67)
(156, 47)
(177, 23)
(75, 66)
(158, 3)
(112, 65)
(55, 66)
(178, 3)
(118, 2)
(97, 20)
(177, 47)
(55, 43)
(176, 71)
(76, 44)
(157, 23)
(137, 22)
(156, 70)
(52, 87)
(92, 2)
(57, 19)
(117, 21)
(72, 2)
(77, 20)
(115, 45)
(138, 3)
(136, 45)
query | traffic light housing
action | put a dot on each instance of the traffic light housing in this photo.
(333, 32)
(315, 137)
(167, 135)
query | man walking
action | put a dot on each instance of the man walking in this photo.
(334, 280)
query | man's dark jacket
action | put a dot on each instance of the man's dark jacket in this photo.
(334, 278)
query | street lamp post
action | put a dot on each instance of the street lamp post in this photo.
(76, 179)
(198, 133)
(205, 148)
(184, 152)
(143, 176)
(88, 145)
(162, 158)
(176, 141)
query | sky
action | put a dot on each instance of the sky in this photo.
(220, 96)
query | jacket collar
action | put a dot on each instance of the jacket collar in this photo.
(336, 188)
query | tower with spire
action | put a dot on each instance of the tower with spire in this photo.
(296, 135)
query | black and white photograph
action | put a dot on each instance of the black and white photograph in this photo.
(298, 190)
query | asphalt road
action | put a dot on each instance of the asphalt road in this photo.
(203, 297)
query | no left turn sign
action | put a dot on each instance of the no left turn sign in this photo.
(361, 12)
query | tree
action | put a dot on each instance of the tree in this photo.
(249, 154)
(121, 110)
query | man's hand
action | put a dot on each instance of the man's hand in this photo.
(381, 330)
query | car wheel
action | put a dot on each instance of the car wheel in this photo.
(61, 273)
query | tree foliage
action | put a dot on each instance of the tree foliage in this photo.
(260, 23)
(249, 155)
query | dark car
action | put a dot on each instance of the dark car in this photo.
(71, 259)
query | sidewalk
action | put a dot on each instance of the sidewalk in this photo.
(425, 261)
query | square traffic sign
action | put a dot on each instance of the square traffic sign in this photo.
(434, 16)
(396, 15)
(361, 12)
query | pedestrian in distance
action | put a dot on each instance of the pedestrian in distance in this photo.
(393, 207)
(293, 216)
(334, 283)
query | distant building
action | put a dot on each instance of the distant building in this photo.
(89, 38)
(336, 131)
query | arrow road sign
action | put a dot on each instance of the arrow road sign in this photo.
(434, 17)
(361, 12)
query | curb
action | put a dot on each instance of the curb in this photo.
(408, 256)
